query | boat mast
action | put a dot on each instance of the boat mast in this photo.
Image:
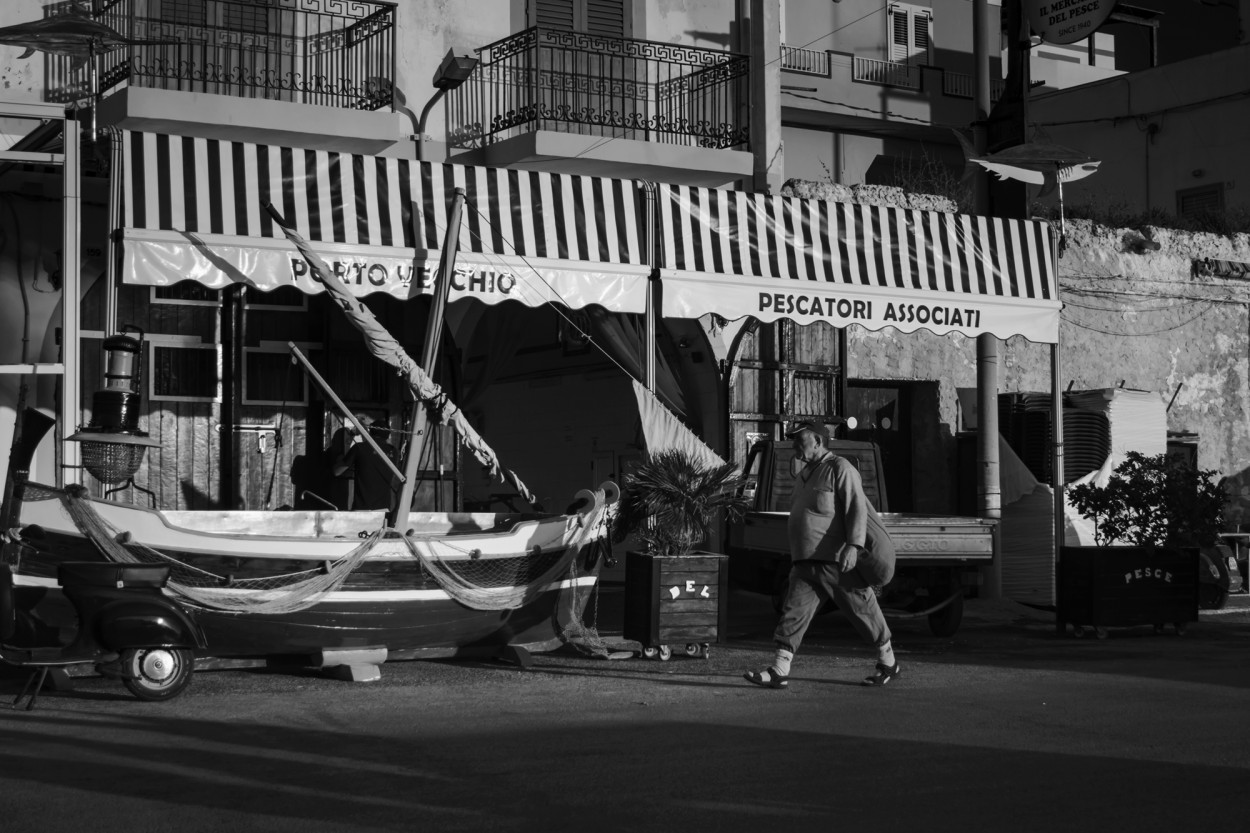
(421, 425)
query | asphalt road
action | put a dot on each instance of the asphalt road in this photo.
(1006, 726)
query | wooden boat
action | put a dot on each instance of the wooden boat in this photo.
(309, 583)
(394, 585)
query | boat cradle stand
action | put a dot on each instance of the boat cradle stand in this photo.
(357, 665)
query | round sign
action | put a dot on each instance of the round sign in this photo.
(1067, 21)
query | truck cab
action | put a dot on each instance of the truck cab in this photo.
(938, 555)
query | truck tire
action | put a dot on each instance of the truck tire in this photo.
(946, 621)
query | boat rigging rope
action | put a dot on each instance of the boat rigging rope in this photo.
(270, 594)
(300, 590)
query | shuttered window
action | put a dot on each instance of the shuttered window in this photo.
(909, 33)
(607, 18)
(1194, 202)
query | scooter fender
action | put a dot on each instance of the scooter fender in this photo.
(147, 624)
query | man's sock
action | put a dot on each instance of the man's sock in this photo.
(781, 662)
(885, 654)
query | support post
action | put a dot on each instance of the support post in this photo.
(420, 430)
(989, 486)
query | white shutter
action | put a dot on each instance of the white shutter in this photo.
(898, 34)
(909, 28)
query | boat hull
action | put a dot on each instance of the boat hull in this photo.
(391, 599)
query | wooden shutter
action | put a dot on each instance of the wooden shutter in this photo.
(554, 14)
(607, 18)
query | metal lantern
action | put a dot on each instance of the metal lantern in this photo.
(112, 444)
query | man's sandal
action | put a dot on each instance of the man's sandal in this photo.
(883, 674)
(768, 678)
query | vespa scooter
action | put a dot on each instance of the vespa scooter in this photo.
(127, 628)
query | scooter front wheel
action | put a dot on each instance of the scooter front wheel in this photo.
(157, 673)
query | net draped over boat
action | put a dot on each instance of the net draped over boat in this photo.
(284, 593)
(480, 584)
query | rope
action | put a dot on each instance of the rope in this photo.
(516, 594)
(302, 589)
(285, 593)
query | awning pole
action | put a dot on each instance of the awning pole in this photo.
(421, 427)
(651, 249)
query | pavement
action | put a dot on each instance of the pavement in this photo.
(1006, 725)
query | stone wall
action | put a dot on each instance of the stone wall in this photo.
(1138, 311)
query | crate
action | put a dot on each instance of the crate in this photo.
(676, 600)
(1104, 587)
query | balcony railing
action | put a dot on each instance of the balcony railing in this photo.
(886, 73)
(546, 79)
(326, 52)
(805, 61)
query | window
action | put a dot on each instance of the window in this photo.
(281, 299)
(185, 293)
(184, 372)
(606, 18)
(1195, 202)
(270, 378)
(909, 34)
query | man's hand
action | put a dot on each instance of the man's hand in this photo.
(848, 557)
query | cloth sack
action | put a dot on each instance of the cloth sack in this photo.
(876, 560)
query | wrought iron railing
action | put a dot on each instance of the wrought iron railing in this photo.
(335, 53)
(572, 82)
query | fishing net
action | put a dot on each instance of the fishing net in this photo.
(476, 582)
(284, 593)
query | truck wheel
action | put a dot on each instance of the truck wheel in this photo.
(946, 621)
(157, 673)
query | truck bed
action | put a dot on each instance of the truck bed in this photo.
(920, 540)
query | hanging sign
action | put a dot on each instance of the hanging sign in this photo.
(1067, 21)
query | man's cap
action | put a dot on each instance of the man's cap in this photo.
(818, 428)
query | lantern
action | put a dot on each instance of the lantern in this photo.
(112, 444)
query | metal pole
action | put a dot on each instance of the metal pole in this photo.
(651, 247)
(1057, 475)
(347, 414)
(989, 487)
(420, 428)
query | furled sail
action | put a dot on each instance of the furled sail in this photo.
(384, 346)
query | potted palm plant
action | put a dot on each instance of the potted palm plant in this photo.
(1151, 519)
(673, 592)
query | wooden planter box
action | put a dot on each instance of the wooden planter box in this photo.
(1104, 587)
(676, 599)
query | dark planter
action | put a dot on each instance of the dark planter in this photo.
(676, 600)
(1102, 587)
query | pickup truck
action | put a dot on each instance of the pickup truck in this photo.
(937, 554)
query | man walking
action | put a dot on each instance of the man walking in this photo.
(830, 522)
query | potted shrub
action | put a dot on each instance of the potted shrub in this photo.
(1151, 519)
(673, 592)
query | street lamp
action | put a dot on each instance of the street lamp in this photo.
(451, 73)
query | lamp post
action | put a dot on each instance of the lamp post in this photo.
(451, 73)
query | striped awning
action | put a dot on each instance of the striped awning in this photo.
(737, 254)
(194, 209)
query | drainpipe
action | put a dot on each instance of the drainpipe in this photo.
(764, 25)
(989, 488)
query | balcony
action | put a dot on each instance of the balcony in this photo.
(243, 63)
(569, 101)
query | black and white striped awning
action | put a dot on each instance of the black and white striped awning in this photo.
(736, 254)
(194, 209)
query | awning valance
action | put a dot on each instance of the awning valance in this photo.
(194, 209)
(734, 254)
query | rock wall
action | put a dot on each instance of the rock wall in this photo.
(1138, 311)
